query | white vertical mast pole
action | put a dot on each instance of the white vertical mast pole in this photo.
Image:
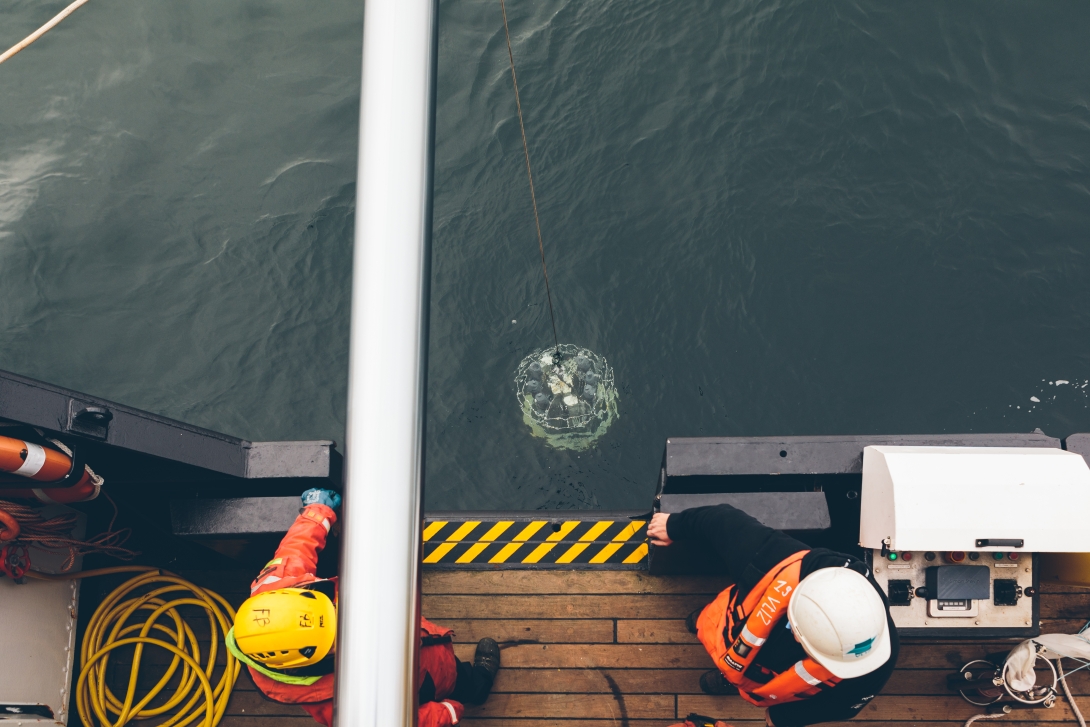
(379, 588)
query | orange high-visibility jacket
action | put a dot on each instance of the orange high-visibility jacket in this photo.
(438, 663)
(748, 625)
(294, 565)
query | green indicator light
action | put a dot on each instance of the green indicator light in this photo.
(892, 556)
(997, 556)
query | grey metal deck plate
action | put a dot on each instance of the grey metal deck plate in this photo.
(813, 455)
(1079, 444)
(796, 511)
(235, 517)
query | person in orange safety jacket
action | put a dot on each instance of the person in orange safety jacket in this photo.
(285, 631)
(803, 632)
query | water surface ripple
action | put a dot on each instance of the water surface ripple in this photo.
(771, 217)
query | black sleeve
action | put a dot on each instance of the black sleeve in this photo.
(735, 536)
(840, 703)
(843, 701)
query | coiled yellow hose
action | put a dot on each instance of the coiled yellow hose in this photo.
(114, 624)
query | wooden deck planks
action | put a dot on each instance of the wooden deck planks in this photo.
(623, 606)
(579, 706)
(515, 582)
(566, 722)
(546, 631)
(558, 683)
(609, 648)
(598, 656)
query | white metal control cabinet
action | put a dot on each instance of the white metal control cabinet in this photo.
(953, 532)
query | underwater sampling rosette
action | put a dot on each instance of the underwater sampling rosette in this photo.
(567, 395)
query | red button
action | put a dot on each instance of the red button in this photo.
(956, 556)
(906, 556)
(1012, 556)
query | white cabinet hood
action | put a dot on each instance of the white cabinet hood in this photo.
(963, 498)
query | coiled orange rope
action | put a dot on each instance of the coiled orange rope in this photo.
(55, 533)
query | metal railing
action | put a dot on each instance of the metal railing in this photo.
(379, 592)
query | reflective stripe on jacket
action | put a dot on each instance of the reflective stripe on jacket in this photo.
(440, 714)
(748, 625)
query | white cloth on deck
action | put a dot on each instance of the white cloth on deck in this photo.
(1018, 669)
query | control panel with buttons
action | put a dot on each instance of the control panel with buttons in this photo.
(971, 593)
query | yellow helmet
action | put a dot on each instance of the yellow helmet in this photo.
(286, 628)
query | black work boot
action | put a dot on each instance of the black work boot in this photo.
(690, 620)
(712, 682)
(488, 656)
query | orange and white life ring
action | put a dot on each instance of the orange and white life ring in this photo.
(55, 469)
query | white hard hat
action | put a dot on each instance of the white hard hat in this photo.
(840, 620)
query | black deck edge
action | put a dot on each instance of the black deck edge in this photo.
(56, 409)
(243, 516)
(550, 515)
(452, 540)
(433, 567)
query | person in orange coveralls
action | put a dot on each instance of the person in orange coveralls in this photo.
(285, 632)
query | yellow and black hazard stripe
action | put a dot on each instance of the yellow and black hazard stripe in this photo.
(527, 542)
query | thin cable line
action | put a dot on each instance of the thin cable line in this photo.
(41, 31)
(529, 174)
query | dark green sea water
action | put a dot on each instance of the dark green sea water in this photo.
(770, 217)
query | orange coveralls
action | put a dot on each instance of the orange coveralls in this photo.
(294, 564)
